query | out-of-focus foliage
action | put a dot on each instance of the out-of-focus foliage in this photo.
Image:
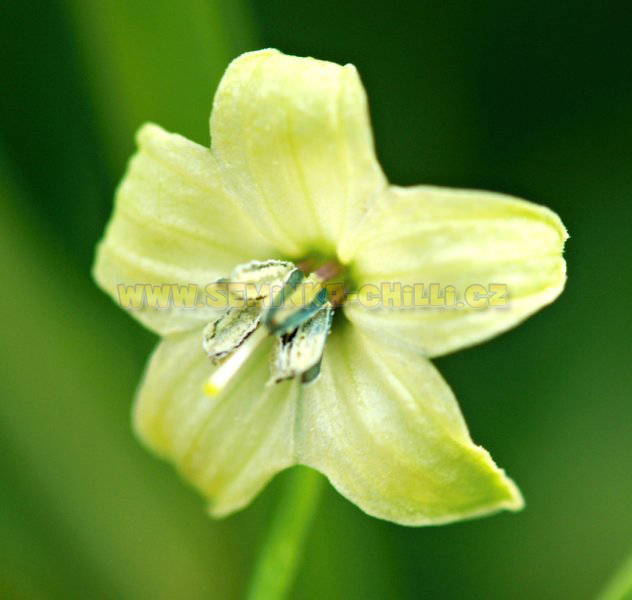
(532, 99)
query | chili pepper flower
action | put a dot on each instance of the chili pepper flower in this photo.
(291, 191)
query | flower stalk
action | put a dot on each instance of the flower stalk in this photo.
(619, 587)
(282, 549)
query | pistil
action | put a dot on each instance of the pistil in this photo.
(229, 368)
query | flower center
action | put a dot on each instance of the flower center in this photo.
(293, 304)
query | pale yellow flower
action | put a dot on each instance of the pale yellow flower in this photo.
(292, 175)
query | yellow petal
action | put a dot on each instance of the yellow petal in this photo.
(173, 224)
(386, 430)
(294, 139)
(228, 446)
(460, 238)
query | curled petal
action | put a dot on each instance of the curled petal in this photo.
(173, 224)
(294, 140)
(386, 430)
(229, 445)
(457, 238)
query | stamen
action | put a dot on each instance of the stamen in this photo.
(299, 317)
(301, 352)
(228, 332)
(301, 305)
(260, 277)
(222, 376)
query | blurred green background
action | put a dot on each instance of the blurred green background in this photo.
(530, 98)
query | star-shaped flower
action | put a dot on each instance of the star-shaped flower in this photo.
(291, 183)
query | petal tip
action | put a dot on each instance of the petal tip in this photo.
(146, 132)
(250, 56)
(515, 501)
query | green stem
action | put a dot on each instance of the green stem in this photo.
(281, 552)
(620, 586)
